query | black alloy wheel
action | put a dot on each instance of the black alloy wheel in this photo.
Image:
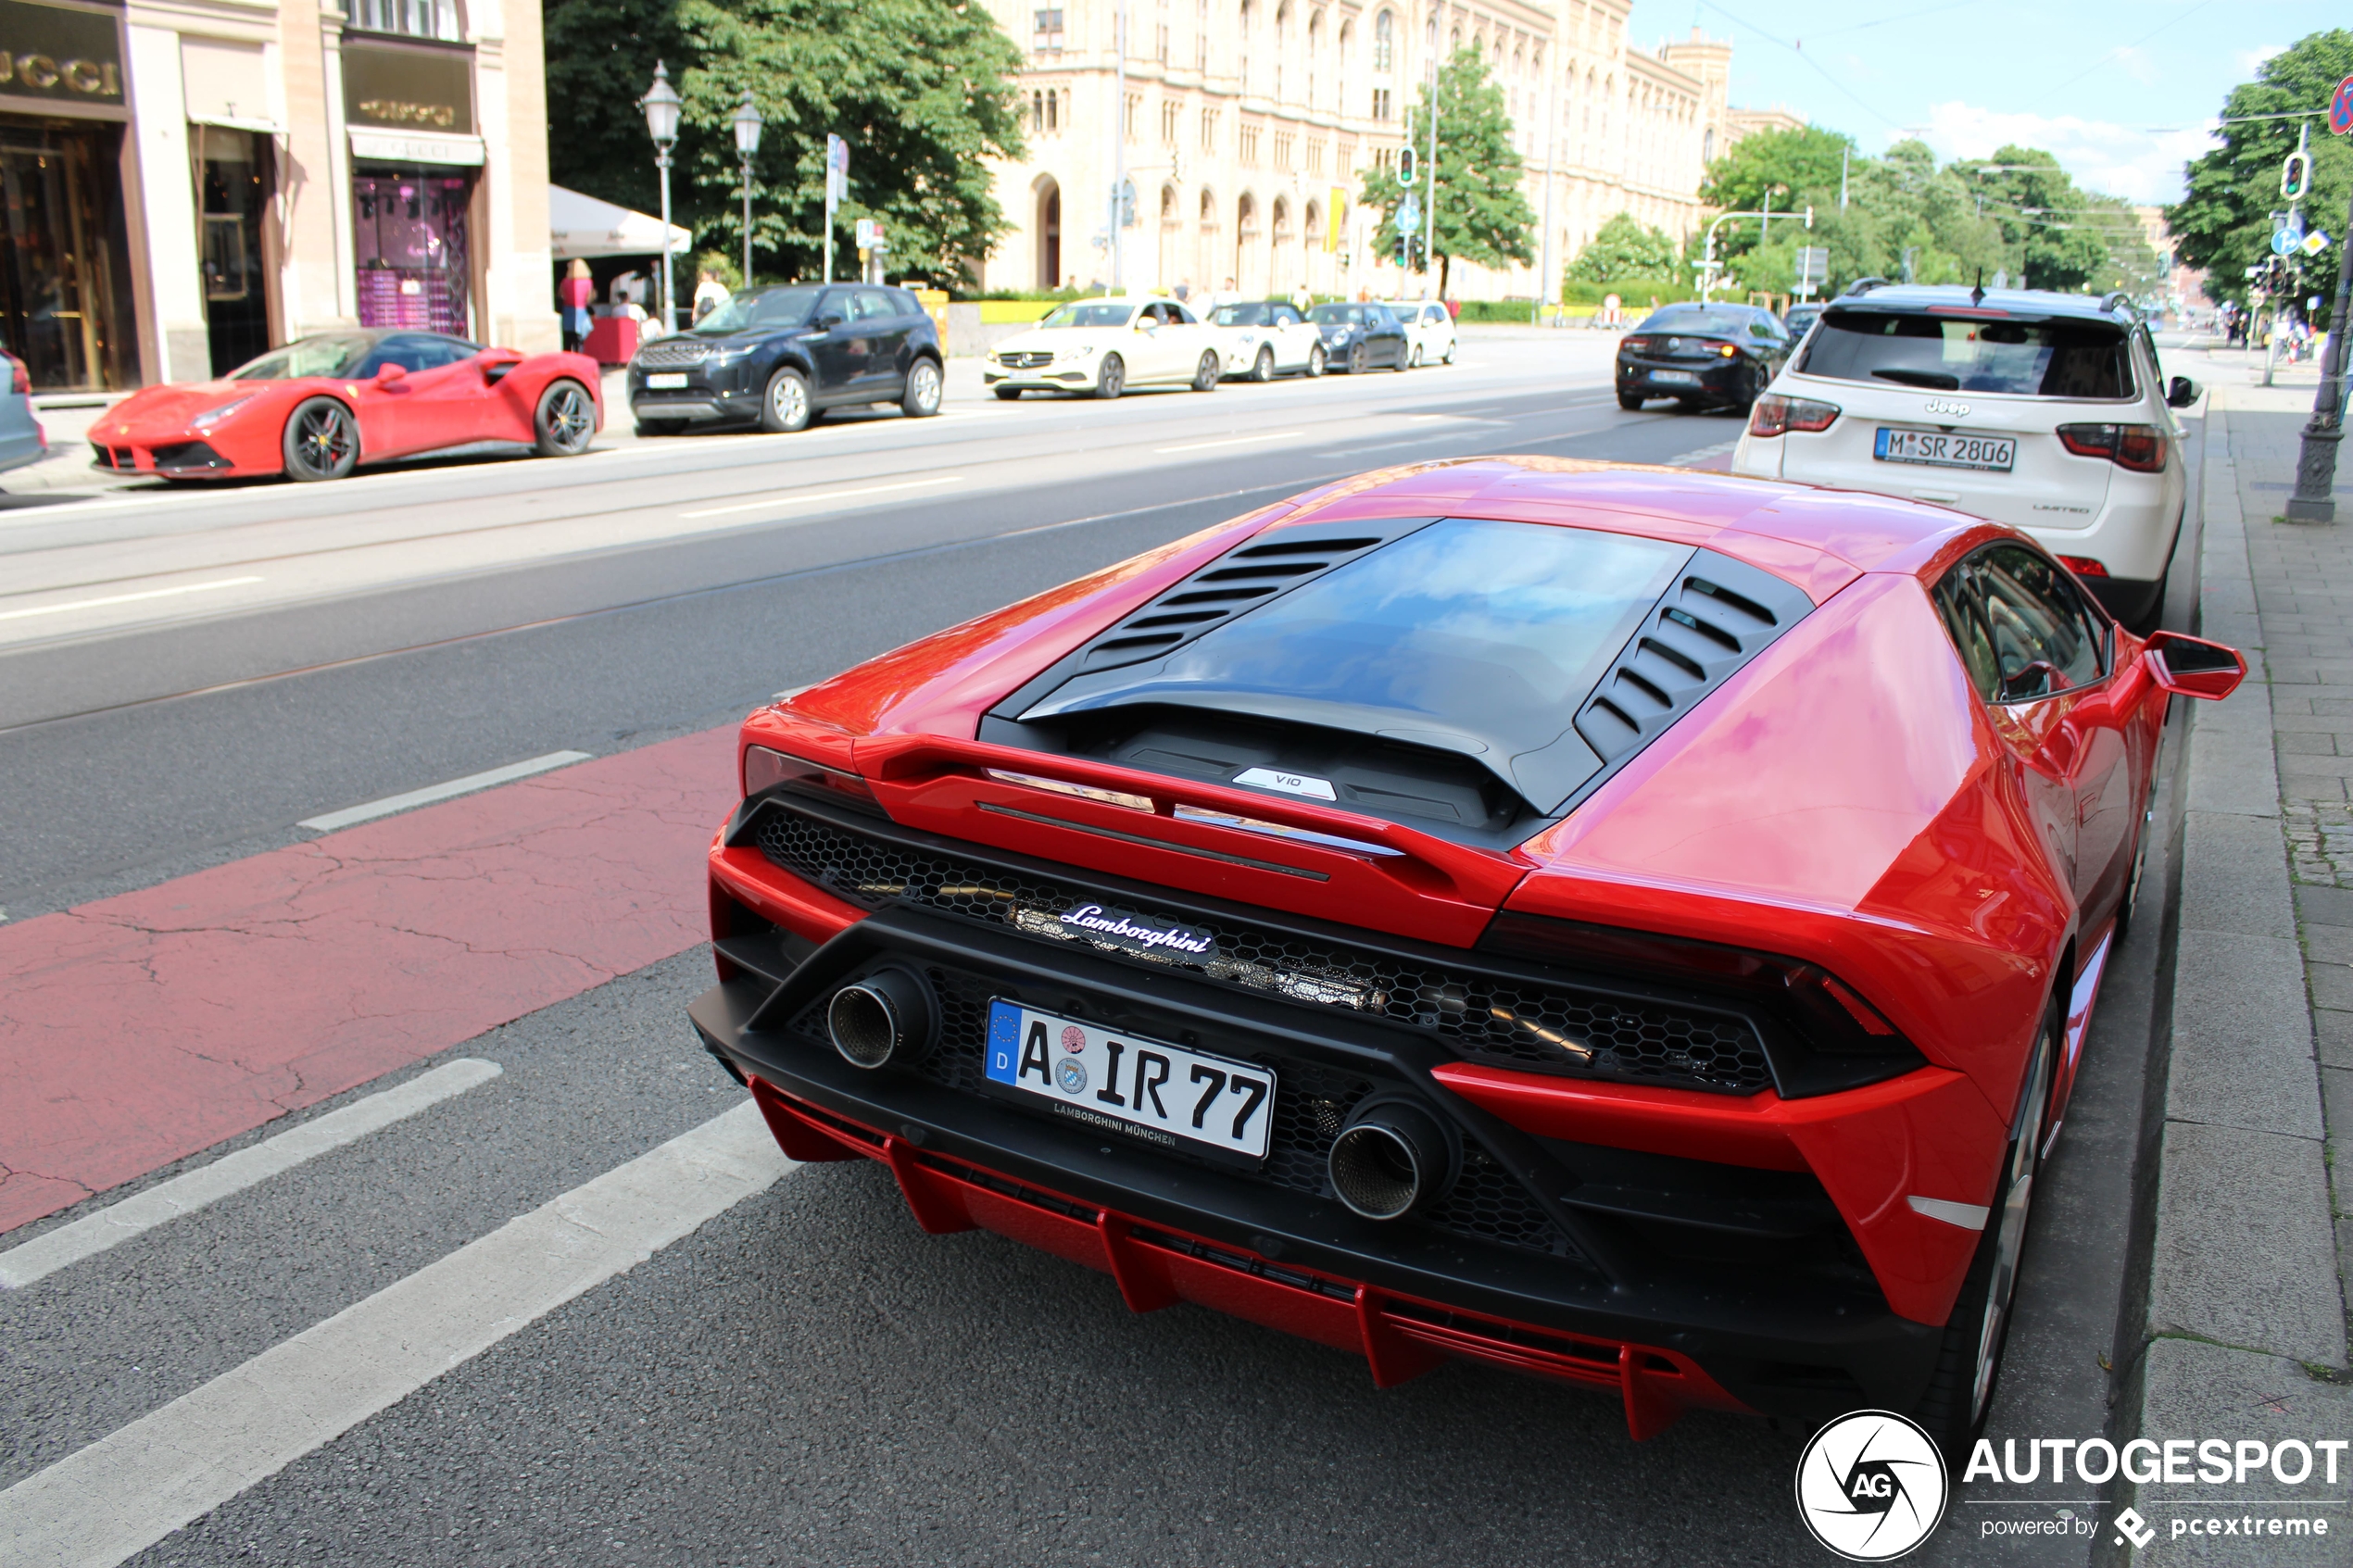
(566, 420)
(926, 388)
(1360, 360)
(321, 441)
(1262, 370)
(1110, 380)
(1205, 373)
(785, 406)
(1316, 360)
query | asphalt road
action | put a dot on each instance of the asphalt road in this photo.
(806, 1378)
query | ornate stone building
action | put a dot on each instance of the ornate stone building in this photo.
(1250, 123)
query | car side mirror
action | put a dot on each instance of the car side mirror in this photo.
(828, 321)
(389, 373)
(2190, 666)
(2182, 394)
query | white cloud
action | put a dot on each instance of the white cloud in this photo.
(2251, 59)
(2121, 160)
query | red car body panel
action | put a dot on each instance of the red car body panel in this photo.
(1844, 798)
(492, 396)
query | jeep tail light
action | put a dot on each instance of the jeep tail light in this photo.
(766, 769)
(2138, 447)
(2084, 566)
(1773, 414)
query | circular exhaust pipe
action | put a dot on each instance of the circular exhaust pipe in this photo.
(1391, 1159)
(885, 1020)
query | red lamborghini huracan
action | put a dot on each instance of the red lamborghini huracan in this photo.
(321, 405)
(1627, 925)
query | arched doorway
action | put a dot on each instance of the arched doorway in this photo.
(1245, 232)
(1049, 234)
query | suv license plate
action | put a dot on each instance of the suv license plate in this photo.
(1145, 1089)
(1939, 450)
(1679, 378)
(666, 380)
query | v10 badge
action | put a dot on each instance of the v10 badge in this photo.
(1871, 1486)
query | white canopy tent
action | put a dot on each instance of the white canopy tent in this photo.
(584, 227)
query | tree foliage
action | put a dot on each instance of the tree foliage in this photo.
(1624, 248)
(2224, 223)
(1482, 216)
(920, 120)
(1779, 162)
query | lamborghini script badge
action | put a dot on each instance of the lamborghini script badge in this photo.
(1137, 935)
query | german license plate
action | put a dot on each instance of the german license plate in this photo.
(1940, 450)
(1144, 1089)
(1679, 377)
(666, 380)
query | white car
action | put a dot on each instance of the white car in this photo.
(1263, 339)
(1102, 347)
(1429, 332)
(2046, 411)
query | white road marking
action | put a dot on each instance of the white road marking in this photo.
(1231, 441)
(823, 496)
(128, 598)
(130, 1489)
(192, 1190)
(391, 804)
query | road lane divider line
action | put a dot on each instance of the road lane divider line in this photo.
(139, 598)
(192, 1190)
(128, 1491)
(1232, 441)
(392, 804)
(823, 496)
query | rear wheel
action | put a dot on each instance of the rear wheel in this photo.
(1316, 361)
(785, 406)
(321, 441)
(924, 388)
(1112, 379)
(566, 420)
(1205, 373)
(1263, 367)
(1418, 356)
(1968, 1363)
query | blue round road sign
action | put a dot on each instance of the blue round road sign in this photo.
(2341, 108)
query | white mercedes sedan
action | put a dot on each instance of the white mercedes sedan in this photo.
(1101, 347)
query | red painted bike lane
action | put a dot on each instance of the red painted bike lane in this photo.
(141, 1029)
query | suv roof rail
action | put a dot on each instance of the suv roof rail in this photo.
(2110, 301)
(1864, 285)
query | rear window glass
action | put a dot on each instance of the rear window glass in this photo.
(1337, 314)
(1241, 316)
(1727, 322)
(1949, 354)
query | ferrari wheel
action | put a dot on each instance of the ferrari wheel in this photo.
(924, 388)
(566, 422)
(1205, 373)
(321, 440)
(1316, 361)
(1112, 379)
(1970, 1360)
(785, 406)
(1263, 367)
(1360, 360)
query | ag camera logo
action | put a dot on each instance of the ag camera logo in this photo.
(1871, 1486)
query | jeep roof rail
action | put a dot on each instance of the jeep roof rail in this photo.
(1863, 286)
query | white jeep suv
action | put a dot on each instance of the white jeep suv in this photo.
(2047, 411)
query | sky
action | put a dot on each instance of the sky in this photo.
(2117, 91)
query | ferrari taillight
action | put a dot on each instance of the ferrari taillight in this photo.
(765, 769)
(2138, 447)
(1774, 414)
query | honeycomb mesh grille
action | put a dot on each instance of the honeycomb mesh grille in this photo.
(1545, 1029)
(1312, 1103)
(672, 352)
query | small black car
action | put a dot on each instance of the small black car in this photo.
(1798, 319)
(1357, 337)
(1703, 355)
(780, 357)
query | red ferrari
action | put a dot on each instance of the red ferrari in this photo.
(1630, 925)
(321, 405)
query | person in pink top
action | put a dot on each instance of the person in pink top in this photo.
(573, 298)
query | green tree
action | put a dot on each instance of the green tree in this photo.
(1482, 215)
(1794, 167)
(1623, 248)
(2059, 241)
(920, 121)
(2224, 223)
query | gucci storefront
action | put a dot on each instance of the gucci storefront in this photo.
(187, 183)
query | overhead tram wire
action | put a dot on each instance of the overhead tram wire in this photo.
(1793, 48)
(2119, 52)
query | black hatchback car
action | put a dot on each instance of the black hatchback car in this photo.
(1357, 337)
(778, 357)
(1702, 355)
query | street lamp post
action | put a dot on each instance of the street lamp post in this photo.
(2314, 500)
(660, 104)
(748, 124)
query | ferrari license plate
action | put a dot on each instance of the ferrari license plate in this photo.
(1941, 450)
(1679, 378)
(666, 380)
(1144, 1089)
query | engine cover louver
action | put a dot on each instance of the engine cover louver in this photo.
(1720, 615)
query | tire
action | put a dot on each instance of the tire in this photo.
(1317, 361)
(926, 388)
(786, 406)
(649, 428)
(1630, 401)
(1110, 380)
(1262, 370)
(1205, 374)
(565, 421)
(1008, 395)
(1360, 360)
(1418, 356)
(321, 441)
(1969, 1362)
(1404, 360)
(1449, 355)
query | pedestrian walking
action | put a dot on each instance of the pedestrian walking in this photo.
(1302, 301)
(574, 296)
(710, 294)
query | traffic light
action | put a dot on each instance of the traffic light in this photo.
(2295, 175)
(1405, 167)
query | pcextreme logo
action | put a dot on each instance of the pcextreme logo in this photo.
(1871, 1486)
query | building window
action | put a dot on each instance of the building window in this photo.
(1209, 131)
(1384, 40)
(1169, 112)
(1284, 143)
(1250, 146)
(1160, 50)
(1201, 37)
(416, 18)
(1347, 170)
(1380, 102)
(1385, 160)
(1050, 30)
(1315, 155)
(1135, 112)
